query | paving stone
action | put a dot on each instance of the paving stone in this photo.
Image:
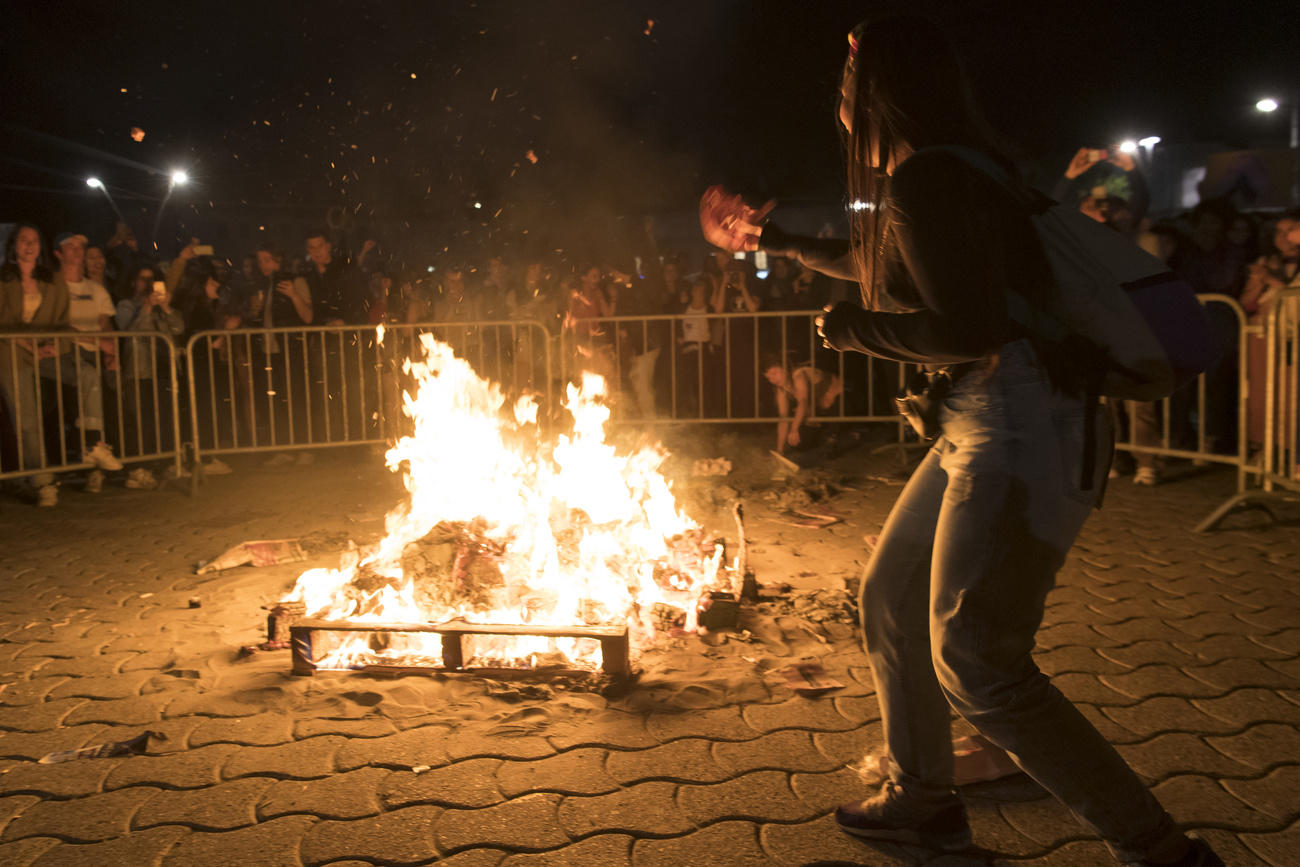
(465, 745)
(1286, 642)
(796, 713)
(65, 780)
(686, 760)
(991, 831)
(721, 724)
(1141, 629)
(105, 665)
(602, 850)
(822, 842)
(851, 746)
(1232, 674)
(1278, 849)
(1217, 648)
(273, 842)
(1198, 800)
(30, 691)
(263, 729)
(187, 770)
(645, 809)
(1110, 730)
(1069, 658)
(526, 824)
(1145, 653)
(300, 760)
(471, 783)
(470, 858)
(120, 712)
(136, 848)
(1277, 794)
(352, 728)
(400, 837)
(1228, 846)
(14, 805)
(1044, 821)
(39, 717)
(761, 796)
(1178, 753)
(210, 704)
(576, 772)
(426, 745)
(1088, 688)
(1246, 706)
(343, 796)
(118, 686)
(1209, 623)
(824, 792)
(35, 745)
(1260, 746)
(86, 820)
(1080, 853)
(1166, 714)
(788, 749)
(615, 730)
(1152, 680)
(24, 852)
(726, 844)
(213, 808)
(1290, 668)
(858, 710)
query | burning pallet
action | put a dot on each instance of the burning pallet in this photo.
(615, 656)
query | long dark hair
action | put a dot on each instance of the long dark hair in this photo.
(10, 269)
(911, 92)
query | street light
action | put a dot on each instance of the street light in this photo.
(97, 184)
(1267, 104)
(1128, 147)
(1149, 142)
(178, 178)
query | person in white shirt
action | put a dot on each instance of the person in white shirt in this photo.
(90, 308)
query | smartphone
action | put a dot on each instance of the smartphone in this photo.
(159, 288)
(202, 249)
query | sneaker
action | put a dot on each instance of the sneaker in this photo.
(141, 480)
(172, 473)
(305, 459)
(893, 815)
(1146, 476)
(217, 467)
(94, 482)
(102, 456)
(47, 496)
(283, 459)
(1199, 855)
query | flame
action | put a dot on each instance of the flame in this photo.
(576, 533)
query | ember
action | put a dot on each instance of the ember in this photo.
(501, 530)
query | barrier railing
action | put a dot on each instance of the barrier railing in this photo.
(1271, 417)
(293, 389)
(714, 368)
(64, 391)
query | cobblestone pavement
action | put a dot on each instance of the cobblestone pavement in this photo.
(1184, 650)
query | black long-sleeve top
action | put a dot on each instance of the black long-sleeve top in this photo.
(962, 241)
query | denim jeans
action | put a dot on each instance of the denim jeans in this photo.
(955, 589)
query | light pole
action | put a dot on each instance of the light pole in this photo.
(97, 184)
(1268, 105)
(178, 178)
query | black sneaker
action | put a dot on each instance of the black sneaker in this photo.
(1200, 855)
(892, 815)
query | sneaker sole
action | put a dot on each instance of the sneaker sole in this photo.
(943, 842)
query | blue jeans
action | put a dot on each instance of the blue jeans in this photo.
(954, 593)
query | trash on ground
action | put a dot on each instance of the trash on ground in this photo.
(810, 678)
(711, 467)
(250, 649)
(195, 602)
(130, 747)
(266, 552)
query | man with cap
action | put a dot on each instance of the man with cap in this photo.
(90, 308)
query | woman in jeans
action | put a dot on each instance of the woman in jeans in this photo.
(954, 591)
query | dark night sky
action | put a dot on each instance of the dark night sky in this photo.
(316, 103)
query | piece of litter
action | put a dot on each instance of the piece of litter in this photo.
(419, 769)
(809, 678)
(266, 552)
(130, 747)
(195, 602)
(145, 595)
(711, 467)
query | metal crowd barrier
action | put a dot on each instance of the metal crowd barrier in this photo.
(63, 391)
(294, 389)
(709, 368)
(1271, 413)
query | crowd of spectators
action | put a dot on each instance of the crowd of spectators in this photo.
(657, 328)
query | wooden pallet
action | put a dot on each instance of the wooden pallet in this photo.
(615, 658)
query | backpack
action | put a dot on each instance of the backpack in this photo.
(1140, 323)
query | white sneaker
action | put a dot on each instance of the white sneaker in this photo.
(102, 456)
(305, 459)
(94, 482)
(141, 480)
(1146, 476)
(217, 467)
(283, 459)
(47, 496)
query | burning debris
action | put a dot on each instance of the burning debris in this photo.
(509, 552)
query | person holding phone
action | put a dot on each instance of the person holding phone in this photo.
(954, 591)
(148, 313)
